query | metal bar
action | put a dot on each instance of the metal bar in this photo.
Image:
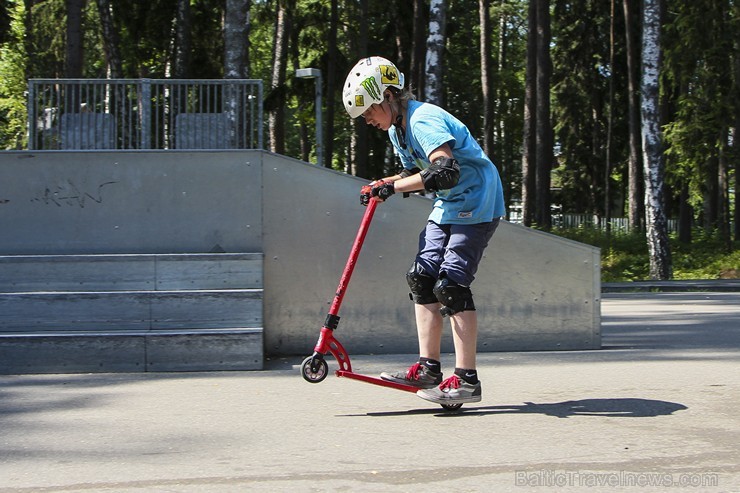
(158, 116)
(32, 115)
(146, 113)
(260, 124)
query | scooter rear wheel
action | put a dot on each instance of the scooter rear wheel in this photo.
(314, 376)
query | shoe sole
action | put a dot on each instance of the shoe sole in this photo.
(390, 378)
(449, 400)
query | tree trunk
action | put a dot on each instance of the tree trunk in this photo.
(277, 115)
(610, 125)
(486, 67)
(74, 55)
(501, 139)
(636, 205)
(435, 51)
(723, 192)
(183, 38)
(544, 153)
(596, 156)
(74, 51)
(400, 26)
(685, 214)
(736, 158)
(236, 65)
(657, 233)
(331, 78)
(111, 40)
(736, 126)
(115, 94)
(529, 138)
(359, 145)
(236, 39)
(418, 49)
(710, 204)
(28, 39)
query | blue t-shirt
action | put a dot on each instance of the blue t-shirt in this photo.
(478, 196)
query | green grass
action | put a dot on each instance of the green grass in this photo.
(624, 256)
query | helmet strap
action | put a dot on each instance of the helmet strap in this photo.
(400, 132)
(396, 108)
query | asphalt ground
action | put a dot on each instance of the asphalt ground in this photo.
(655, 410)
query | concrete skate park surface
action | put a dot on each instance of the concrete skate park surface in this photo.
(655, 410)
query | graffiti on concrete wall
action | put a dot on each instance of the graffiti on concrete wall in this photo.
(69, 194)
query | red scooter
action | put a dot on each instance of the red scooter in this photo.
(315, 368)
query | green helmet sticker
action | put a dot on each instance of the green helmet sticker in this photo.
(372, 88)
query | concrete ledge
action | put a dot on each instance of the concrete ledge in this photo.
(142, 351)
(130, 310)
(205, 351)
(122, 272)
(713, 285)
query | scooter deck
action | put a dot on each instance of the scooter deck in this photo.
(376, 381)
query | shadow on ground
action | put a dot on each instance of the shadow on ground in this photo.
(612, 408)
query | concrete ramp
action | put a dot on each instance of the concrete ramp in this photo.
(534, 291)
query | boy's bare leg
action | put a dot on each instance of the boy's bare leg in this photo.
(465, 337)
(464, 330)
(429, 327)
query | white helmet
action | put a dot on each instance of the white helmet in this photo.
(366, 83)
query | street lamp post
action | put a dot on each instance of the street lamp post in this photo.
(314, 73)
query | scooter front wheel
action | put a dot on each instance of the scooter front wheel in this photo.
(314, 369)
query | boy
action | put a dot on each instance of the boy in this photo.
(439, 156)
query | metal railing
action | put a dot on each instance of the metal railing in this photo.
(145, 114)
(562, 220)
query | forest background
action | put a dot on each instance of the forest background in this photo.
(604, 108)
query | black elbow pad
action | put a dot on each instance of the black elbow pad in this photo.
(443, 174)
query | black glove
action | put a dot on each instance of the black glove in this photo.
(365, 193)
(383, 190)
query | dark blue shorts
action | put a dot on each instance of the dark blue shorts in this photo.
(454, 248)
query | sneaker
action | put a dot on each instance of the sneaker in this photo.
(417, 376)
(454, 390)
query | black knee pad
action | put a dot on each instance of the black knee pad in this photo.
(454, 298)
(421, 285)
